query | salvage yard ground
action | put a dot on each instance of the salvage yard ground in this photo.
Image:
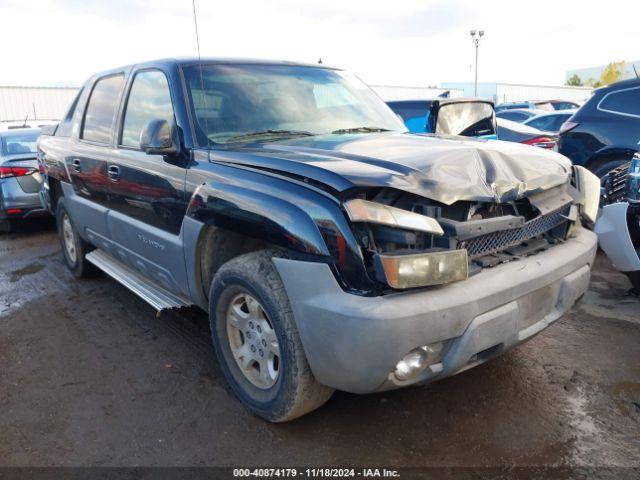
(90, 376)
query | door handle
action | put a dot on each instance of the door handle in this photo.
(76, 164)
(114, 173)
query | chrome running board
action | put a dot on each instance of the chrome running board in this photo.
(157, 296)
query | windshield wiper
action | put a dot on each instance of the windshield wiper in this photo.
(269, 134)
(360, 130)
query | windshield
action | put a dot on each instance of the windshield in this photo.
(16, 144)
(231, 102)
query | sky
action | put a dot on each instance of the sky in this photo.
(401, 42)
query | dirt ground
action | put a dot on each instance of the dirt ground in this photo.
(90, 376)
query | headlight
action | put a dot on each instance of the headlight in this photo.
(589, 187)
(634, 179)
(422, 269)
(371, 212)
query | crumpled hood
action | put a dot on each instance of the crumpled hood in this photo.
(442, 169)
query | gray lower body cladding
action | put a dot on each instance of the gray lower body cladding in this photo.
(353, 343)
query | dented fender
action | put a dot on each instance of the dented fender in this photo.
(279, 211)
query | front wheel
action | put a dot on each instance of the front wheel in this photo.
(257, 341)
(74, 248)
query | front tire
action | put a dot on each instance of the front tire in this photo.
(257, 342)
(74, 248)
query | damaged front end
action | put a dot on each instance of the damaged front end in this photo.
(409, 241)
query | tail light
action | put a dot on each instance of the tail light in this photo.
(567, 126)
(541, 141)
(7, 172)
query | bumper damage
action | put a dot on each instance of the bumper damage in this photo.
(353, 343)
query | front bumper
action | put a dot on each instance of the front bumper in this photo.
(353, 343)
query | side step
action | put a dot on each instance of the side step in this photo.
(157, 296)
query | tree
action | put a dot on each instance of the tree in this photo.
(612, 73)
(593, 83)
(574, 81)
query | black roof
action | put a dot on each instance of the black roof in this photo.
(167, 62)
(630, 82)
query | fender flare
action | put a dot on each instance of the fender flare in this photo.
(284, 213)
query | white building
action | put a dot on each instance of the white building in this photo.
(34, 103)
(594, 73)
(391, 92)
(515, 92)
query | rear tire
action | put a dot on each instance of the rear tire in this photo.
(5, 226)
(247, 293)
(74, 248)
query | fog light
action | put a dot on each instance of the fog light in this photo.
(417, 360)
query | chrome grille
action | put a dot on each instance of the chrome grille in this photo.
(615, 187)
(498, 241)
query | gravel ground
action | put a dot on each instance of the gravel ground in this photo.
(89, 375)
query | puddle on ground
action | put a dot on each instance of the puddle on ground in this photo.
(627, 398)
(16, 275)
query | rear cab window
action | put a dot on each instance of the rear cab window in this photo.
(97, 126)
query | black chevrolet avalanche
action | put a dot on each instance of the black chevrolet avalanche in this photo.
(330, 248)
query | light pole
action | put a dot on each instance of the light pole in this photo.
(475, 38)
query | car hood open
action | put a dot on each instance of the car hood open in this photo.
(442, 169)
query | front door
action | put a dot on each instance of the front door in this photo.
(147, 200)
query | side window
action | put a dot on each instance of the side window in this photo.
(558, 121)
(514, 116)
(542, 123)
(101, 110)
(625, 101)
(149, 99)
(64, 127)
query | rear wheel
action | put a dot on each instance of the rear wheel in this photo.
(5, 226)
(257, 341)
(74, 248)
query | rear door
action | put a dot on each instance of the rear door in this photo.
(87, 163)
(147, 192)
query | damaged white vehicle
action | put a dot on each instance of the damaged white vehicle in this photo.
(618, 228)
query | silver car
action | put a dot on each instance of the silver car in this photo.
(20, 179)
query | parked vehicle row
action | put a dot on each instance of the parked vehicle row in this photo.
(467, 117)
(548, 105)
(545, 121)
(331, 248)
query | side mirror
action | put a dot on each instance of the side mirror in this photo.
(466, 117)
(160, 137)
